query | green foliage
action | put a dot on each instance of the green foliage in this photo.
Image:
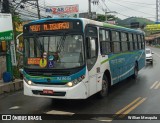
(16, 72)
(126, 22)
(16, 19)
(111, 17)
(101, 18)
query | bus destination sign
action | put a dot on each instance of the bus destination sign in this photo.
(51, 26)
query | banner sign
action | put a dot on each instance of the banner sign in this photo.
(153, 27)
(72, 116)
(61, 10)
(6, 28)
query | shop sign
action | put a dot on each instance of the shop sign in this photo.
(62, 10)
(6, 27)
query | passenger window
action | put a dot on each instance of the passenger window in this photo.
(139, 42)
(105, 43)
(116, 41)
(130, 37)
(143, 42)
(124, 42)
(135, 41)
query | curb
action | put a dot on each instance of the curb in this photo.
(11, 87)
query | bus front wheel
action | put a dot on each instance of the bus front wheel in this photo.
(104, 91)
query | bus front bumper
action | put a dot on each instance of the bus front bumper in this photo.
(78, 91)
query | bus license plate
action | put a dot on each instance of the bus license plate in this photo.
(48, 92)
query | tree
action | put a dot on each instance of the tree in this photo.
(101, 18)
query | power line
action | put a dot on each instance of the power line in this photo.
(105, 4)
(137, 2)
(25, 10)
(116, 12)
(130, 8)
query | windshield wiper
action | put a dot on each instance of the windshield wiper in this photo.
(38, 44)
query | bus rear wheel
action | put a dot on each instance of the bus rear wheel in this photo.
(105, 86)
(135, 75)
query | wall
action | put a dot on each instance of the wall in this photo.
(2, 66)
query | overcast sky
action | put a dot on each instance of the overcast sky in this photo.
(125, 8)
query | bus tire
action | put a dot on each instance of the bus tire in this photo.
(135, 75)
(105, 87)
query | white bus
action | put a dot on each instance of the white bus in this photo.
(76, 58)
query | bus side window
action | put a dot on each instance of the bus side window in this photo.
(92, 52)
(116, 42)
(105, 43)
(124, 43)
(130, 41)
(143, 43)
(91, 45)
(135, 42)
(91, 48)
(139, 42)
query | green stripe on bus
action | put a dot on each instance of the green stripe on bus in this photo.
(114, 56)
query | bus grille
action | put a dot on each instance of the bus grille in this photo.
(49, 83)
(47, 72)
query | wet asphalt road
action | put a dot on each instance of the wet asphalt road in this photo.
(129, 97)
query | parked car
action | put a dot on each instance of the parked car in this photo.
(149, 57)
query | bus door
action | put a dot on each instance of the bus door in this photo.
(92, 56)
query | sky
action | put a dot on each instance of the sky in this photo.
(124, 8)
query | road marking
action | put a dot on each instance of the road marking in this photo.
(55, 112)
(133, 107)
(104, 119)
(157, 86)
(129, 105)
(155, 83)
(14, 107)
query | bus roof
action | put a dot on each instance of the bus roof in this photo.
(88, 21)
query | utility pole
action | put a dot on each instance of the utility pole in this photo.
(38, 10)
(5, 6)
(37, 4)
(89, 9)
(157, 10)
(1, 6)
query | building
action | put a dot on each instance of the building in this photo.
(2, 59)
(153, 39)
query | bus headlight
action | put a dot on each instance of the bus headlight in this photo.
(69, 84)
(75, 82)
(29, 82)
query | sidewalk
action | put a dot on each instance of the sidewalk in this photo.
(16, 85)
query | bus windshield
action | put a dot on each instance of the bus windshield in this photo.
(54, 52)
